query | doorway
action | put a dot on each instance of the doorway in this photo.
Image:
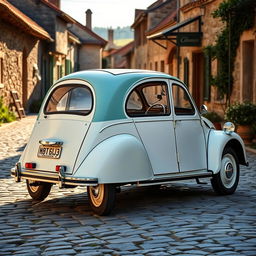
(198, 77)
(247, 70)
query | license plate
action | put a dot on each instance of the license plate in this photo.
(49, 152)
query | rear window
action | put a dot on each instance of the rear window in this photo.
(70, 99)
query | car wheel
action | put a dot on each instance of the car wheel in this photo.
(38, 190)
(226, 180)
(102, 198)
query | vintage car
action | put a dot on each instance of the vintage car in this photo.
(108, 128)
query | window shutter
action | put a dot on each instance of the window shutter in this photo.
(186, 71)
(68, 67)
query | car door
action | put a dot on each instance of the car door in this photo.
(149, 106)
(190, 137)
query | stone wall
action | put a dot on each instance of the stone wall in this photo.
(18, 50)
(244, 86)
(89, 57)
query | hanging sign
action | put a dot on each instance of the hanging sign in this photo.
(189, 39)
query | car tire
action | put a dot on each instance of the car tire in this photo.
(38, 190)
(226, 180)
(102, 198)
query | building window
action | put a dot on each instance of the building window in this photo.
(68, 67)
(162, 65)
(186, 72)
(156, 66)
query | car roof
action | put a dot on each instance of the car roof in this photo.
(111, 87)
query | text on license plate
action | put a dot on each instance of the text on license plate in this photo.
(49, 152)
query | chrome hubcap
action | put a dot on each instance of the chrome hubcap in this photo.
(228, 171)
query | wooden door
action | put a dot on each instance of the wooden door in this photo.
(198, 78)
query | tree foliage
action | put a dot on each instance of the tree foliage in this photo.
(238, 16)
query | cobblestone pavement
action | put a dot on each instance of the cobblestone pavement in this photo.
(181, 219)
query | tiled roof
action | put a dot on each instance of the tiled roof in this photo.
(125, 49)
(62, 14)
(96, 38)
(14, 16)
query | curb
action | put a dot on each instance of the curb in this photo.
(252, 150)
(3, 125)
(8, 124)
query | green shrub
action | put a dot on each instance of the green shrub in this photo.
(6, 116)
(241, 113)
(213, 117)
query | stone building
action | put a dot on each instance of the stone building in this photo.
(75, 46)
(121, 57)
(157, 16)
(19, 54)
(176, 46)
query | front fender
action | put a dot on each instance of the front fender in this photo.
(217, 141)
(118, 159)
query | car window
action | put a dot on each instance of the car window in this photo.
(80, 99)
(148, 99)
(181, 101)
(134, 101)
(71, 99)
(61, 105)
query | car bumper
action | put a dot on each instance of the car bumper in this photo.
(56, 178)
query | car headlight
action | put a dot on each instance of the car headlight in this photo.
(228, 127)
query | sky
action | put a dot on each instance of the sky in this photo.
(105, 13)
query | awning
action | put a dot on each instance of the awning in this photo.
(173, 35)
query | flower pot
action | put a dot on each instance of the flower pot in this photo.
(217, 125)
(246, 133)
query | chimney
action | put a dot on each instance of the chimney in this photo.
(110, 36)
(88, 19)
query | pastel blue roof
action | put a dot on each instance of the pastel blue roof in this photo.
(111, 87)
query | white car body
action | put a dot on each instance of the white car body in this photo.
(98, 148)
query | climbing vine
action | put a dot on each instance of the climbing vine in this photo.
(238, 16)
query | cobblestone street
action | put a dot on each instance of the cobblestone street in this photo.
(179, 219)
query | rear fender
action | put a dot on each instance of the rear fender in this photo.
(118, 159)
(218, 140)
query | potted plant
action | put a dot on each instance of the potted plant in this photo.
(215, 118)
(243, 115)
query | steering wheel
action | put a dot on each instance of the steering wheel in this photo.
(156, 104)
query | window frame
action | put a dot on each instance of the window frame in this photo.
(143, 99)
(190, 99)
(68, 112)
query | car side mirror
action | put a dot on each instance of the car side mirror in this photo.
(203, 109)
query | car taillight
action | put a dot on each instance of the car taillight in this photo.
(30, 165)
(59, 168)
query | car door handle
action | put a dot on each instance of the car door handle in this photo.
(51, 142)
